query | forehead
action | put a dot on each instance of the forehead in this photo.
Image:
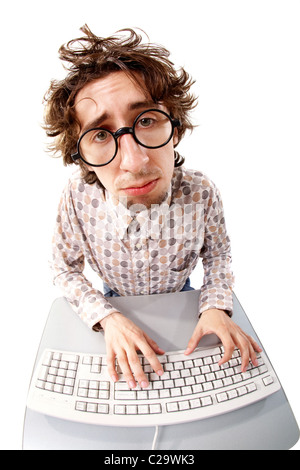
(102, 95)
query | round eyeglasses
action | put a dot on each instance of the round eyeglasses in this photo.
(151, 129)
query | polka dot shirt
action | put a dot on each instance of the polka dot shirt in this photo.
(141, 252)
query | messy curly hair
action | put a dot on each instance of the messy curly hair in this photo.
(90, 57)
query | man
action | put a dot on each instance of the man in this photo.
(138, 217)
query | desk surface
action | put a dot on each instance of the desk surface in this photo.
(267, 424)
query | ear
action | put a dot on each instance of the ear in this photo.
(175, 137)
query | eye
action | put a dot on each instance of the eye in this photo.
(146, 122)
(101, 136)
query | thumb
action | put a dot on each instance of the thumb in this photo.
(195, 338)
(154, 345)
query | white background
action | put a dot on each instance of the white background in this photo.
(244, 56)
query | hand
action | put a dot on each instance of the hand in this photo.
(123, 340)
(218, 322)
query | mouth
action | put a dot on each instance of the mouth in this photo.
(140, 189)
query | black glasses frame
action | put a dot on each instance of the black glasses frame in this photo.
(122, 131)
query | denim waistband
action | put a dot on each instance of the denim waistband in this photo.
(108, 292)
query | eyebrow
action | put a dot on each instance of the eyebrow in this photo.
(132, 107)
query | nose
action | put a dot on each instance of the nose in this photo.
(133, 157)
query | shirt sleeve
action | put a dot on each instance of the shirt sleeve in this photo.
(68, 265)
(216, 291)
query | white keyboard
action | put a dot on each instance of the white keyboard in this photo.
(76, 386)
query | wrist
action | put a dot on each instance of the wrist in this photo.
(211, 311)
(104, 320)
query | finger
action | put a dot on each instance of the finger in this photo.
(229, 347)
(154, 345)
(126, 369)
(194, 341)
(253, 347)
(111, 366)
(153, 361)
(137, 370)
(149, 350)
(245, 348)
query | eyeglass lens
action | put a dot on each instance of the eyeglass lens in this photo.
(152, 129)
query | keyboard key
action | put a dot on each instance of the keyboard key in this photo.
(158, 385)
(91, 407)
(87, 360)
(186, 390)
(104, 386)
(195, 371)
(222, 397)
(198, 362)
(188, 364)
(251, 387)
(206, 401)
(207, 386)
(131, 409)
(178, 365)
(120, 409)
(104, 409)
(190, 381)
(153, 394)
(241, 390)
(95, 369)
(171, 407)
(227, 381)
(263, 369)
(143, 409)
(165, 393)
(154, 377)
(208, 360)
(175, 374)
(268, 380)
(47, 359)
(125, 395)
(94, 384)
(70, 358)
(155, 408)
(168, 383)
(232, 394)
(93, 393)
(176, 392)
(195, 403)
(184, 405)
(43, 373)
(121, 386)
(218, 383)
(174, 357)
(80, 406)
(68, 390)
(82, 392)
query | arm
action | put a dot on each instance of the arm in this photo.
(215, 302)
(68, 261)
(123, 338)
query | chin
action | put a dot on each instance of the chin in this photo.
(146, 201)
